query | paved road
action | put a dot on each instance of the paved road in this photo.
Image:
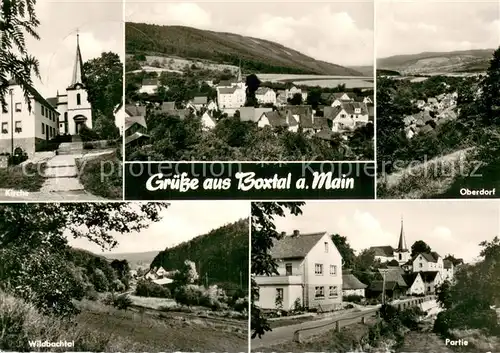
(285, 333)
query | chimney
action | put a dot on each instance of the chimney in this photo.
(296, 233)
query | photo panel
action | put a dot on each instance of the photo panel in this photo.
(61, 91)
(125, 277)
(268, 88)
(379, 276)
(438, 70)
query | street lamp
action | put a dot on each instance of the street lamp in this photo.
(11, 92)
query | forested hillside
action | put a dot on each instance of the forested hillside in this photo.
(221, 255)
(256, 55)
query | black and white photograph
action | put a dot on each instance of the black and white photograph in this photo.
(124, 277)
(246, 81)
(61, 91)
(438, 99)
(379, 276)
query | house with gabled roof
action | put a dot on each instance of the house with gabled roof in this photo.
(135, 130)
(198, 103)
(415, 283)
(428, 262)
(309, 273)
(207, 121)
(252, 114)
(272, 118)
(265, 95)
(432, 280)
(347, 115)
(303, 114)
(149, 86)
(351, 285)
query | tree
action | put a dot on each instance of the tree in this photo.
(296, 99)
(264, 234)
(187, 274)
(345, 250)
(104, 83)
(33, 245)
(420, 247)
(491, 89)
(253, 84)
(16, 19)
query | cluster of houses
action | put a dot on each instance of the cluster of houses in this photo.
(157, 275)
(310, 273)
(434, 111)
(343, 112)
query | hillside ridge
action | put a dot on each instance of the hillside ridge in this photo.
(256, 54)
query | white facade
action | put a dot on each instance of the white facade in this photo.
(315, 281)
(233, 97)
(149, 88)
(74, 107)
(26, 128)
(421, 264)
(417, 287)
(269, 97)
(358, 292)
(207, 121)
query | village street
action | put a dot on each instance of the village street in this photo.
(286, 333)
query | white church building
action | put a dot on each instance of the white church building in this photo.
(74, 107)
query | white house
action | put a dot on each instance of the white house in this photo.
(351, 285)
(198, 103)
(212, 106)
(149, 86)
(207, 121)
(309, 273)
(415, 283)
(425, 262)
(432, 280)
(74, 107)
(293, 91)
(347, 116)
(231, 97)
(265, 95)
(24, 129)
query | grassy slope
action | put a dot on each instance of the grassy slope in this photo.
(222, 47)
(25, 178)
(456, 61)
(102, 176)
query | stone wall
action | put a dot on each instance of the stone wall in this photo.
(26, 144)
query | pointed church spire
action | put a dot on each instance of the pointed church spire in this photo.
(240, 76)
(78, 68)
(402, 241)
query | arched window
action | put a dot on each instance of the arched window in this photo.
(400, 257)
(78, 99)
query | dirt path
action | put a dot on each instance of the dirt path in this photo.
(424, 342)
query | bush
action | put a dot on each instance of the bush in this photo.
(47, 146)
(88, 146)
(353, 298)
(241, 305)
(88, 134)
(122, 302)
(118, 285)
(150, 289)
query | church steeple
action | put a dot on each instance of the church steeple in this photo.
(240, 76)
(78, 67)
(402, 241)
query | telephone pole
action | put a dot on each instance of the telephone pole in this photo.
(383, 287)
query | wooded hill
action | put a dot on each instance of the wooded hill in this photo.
(221, 255)
(256, 55)
(445, 62)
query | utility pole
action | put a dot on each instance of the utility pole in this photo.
(11, 92)
(383, 287)
(241, 280)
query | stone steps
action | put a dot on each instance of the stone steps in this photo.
(61, 172)
(61, 184)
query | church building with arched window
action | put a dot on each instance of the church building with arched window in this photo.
(74, 107)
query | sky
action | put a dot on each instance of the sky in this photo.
(336, 32)
(420, 26)
(448, 227)
(100, 25)
(181, 221)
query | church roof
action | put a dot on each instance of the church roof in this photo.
(77, 77)
(402, 241)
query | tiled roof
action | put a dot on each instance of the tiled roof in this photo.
(200, 100)
(52, 101)
(134, 110)
(167, 106)
(131, 120)
(351, 106)
(262, 90)
(295, 246)
(37, 96)
(252, 113)
(325, 134)
(428, 276)
(349, 281)
(394, 275)
(227, 90)
(275, 118)
(320, 123)
(150, 82)
(410, 278)
(331, 112)
(303, 111)
(135, 136)
(378, 286)
(386, 251)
